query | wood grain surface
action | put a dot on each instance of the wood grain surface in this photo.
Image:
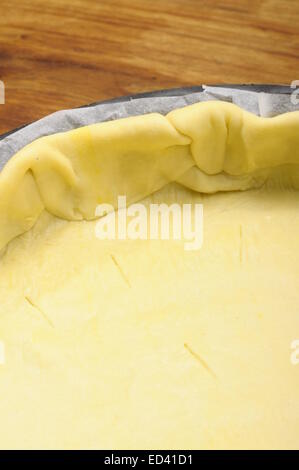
(57, 54)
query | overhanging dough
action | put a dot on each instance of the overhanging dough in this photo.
(69, 174)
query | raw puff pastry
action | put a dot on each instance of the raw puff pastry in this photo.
(140, 344)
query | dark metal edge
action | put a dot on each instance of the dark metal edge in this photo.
(261, 88)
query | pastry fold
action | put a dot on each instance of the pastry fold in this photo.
(208, 147)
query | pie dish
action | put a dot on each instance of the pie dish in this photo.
(128, 344)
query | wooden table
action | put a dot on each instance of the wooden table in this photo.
(57, 54)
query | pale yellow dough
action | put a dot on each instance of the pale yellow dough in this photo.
(141, 344)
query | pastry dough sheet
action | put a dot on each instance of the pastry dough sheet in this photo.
(141, 344)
